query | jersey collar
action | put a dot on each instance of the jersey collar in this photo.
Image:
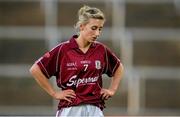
(75, 45)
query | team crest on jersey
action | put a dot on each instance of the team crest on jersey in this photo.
(98, 64)
(47, 55)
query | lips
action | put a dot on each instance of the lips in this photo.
(94, 38)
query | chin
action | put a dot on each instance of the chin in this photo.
(92, 41)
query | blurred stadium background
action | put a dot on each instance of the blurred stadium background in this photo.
(145, 34)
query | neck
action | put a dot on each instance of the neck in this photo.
(82, 43)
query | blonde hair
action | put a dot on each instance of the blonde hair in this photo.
(86, 12)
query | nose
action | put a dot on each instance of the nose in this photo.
(97, 33)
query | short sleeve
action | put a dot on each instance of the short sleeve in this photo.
(49, 62)
(112, 62)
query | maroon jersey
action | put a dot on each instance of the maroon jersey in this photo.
(81, 72)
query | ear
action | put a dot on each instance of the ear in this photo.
(82, 27)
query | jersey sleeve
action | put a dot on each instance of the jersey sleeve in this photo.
(49, 62)
(112, 62)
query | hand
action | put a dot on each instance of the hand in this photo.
(65, 95)
(106, 93)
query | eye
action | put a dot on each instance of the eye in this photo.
(100, 29)
(94, 27)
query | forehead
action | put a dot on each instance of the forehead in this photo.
(96, 22)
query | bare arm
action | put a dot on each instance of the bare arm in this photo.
(106, 93)
(44, 83)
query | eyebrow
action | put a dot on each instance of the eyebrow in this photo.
(97, 26)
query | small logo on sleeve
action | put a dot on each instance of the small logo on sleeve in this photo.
(47, 55)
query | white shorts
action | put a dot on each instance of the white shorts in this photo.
(80, 111)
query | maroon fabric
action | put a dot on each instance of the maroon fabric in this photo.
(81, 72)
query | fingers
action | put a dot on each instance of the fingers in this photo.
(106, 94)
(70, 93)
(67, 95)
(67, 99)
